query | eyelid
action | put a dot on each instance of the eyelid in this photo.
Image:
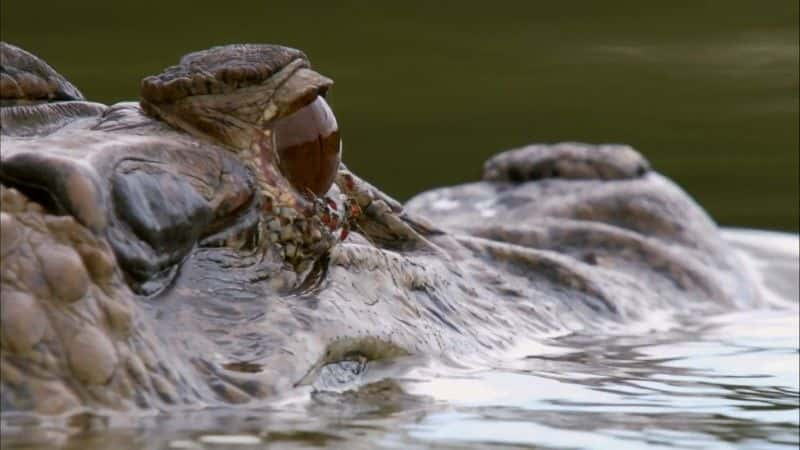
(307, 147)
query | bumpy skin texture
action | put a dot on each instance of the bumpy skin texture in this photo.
(135, 275)
(24, 78)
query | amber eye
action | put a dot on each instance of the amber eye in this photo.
(307, 144)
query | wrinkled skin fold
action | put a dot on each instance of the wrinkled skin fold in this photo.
(131, 275)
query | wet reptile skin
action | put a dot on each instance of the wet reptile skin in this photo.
(138, 269)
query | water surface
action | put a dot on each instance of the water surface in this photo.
(727, 381)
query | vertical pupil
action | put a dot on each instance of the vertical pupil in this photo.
(307, 144)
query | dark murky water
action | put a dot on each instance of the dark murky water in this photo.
(729, 381)
(426, 91)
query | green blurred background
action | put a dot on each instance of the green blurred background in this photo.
(426, 91)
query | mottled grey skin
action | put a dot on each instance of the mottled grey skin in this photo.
(132, 276)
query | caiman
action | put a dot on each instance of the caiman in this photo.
(206, 245)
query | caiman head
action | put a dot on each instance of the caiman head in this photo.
(157, 253)
(181, 250)
(262, 103)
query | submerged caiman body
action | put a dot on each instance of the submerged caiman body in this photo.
(144, 267)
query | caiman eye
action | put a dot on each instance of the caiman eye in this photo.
(307, 144)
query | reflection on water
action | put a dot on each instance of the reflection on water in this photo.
(703, 385)
(729, 381)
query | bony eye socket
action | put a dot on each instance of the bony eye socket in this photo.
(308, 147)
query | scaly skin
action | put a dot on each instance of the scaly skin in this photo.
(146, 259)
